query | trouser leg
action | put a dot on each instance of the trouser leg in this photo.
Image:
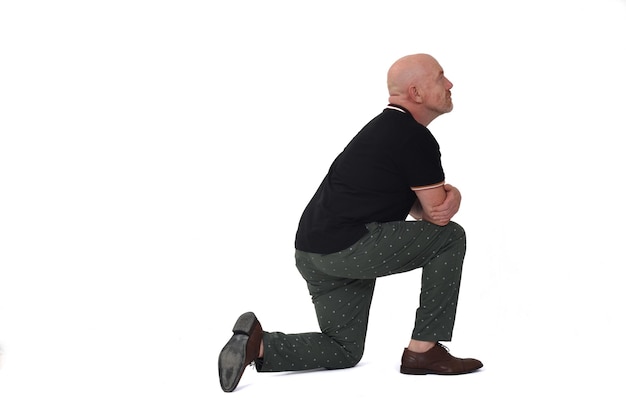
(441, 280)
(342, 307)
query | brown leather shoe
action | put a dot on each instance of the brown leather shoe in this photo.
(436, 361)
(240, 351)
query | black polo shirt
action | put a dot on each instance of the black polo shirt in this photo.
(370, 181)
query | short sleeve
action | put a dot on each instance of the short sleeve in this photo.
(419, 159)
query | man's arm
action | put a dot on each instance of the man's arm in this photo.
(437, 205)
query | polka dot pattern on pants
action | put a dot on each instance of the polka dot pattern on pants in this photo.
(342, 284)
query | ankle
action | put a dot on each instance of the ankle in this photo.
(420, 346)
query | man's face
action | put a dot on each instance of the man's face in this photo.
(437, 95)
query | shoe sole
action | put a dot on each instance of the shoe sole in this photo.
(419, 371)
(232, 358)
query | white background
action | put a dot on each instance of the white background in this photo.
(155, 157)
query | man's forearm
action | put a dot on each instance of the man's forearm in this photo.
(439, 208)
(416, 210)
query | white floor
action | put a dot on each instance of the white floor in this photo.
(155, 159)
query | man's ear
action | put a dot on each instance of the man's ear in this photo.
(415, 94)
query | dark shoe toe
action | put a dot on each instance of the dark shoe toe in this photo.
(470, 365)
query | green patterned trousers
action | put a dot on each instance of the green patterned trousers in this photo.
(342, 285)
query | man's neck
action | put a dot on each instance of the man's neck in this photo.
(416, 110)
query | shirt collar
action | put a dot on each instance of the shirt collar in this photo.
(397, 107)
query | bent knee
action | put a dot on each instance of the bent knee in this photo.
(349, 360)
(456, 227)
(353, 359)
(458, 232)
(343, 365)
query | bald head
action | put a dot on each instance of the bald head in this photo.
(407, 71)
(417, 83)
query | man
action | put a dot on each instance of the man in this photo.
(355, 230)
